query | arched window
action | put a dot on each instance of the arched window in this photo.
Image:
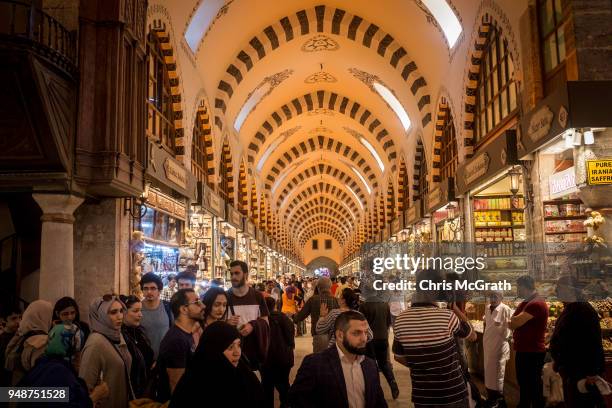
(423, 183)
(199, 158)
(496, 91)
(448, 149)
(224, 182)
(159, 99)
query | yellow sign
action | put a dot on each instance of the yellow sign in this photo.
(599, 171)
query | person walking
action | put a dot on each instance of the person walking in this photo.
(378, 314)
(156, 314)
(348, 300)
(425, 342)
(341, 376)
(249, 313)
(217, 372)
(529, 325)
(496, 348)
(138, 345)
(312, 308)
(576, 347)
(215, 306)
(177, 346)
(276, 369)
(12, 317)
(105, 357)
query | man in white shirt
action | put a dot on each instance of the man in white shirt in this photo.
(340, 376)
(496, 346)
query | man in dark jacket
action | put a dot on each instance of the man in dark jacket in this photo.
(576, 346)
(340, 376)
(275, 371)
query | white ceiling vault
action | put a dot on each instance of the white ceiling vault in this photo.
(313, 94)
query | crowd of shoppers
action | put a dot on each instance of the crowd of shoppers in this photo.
(213, 342)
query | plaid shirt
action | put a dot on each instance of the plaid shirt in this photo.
(167, 293)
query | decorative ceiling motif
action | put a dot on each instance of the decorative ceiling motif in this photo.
(353, 132)
(366, 78)
(319, 130)
(320, 76)
(321, 111)
(222, 11)
(320, 42)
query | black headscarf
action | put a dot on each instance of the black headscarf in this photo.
(209, 373)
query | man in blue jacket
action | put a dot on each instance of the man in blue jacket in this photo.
(341, 376)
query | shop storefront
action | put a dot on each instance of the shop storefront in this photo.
(250, 236)
(204, 232)
(232, 238)
(158, 232)
(419, 224)
(446, 217)
(492, 186)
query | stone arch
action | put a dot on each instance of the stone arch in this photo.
(317, 144)
(319, 228)
(226, 173)
(162, 35)
(324, 188)
(298, 221)
(319, 202)
(419, 159)
(390, 215)
(243, 193)
(403, 187)
(321, 169)
(443, 115)
(329, 20)
(319, 101)
(305, 223)
(202, 148)
(489, 15)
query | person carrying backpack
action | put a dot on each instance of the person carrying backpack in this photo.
(31, 339)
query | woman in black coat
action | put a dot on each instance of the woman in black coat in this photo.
(217, 374)
(138, 345)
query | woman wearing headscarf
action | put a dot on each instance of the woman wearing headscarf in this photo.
(66, 310)
(31, 339)
(348, 300)
(138, 344)
(217, 371)
(106, 356)
(55, 369)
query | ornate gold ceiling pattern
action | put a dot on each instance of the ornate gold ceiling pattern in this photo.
(324, 100)
(329, 21)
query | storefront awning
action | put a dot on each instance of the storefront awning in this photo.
(413, 214)
(233, 217)
(491, 159)
(210, 201)
(167, 170)
(441, 195)
(577, 104)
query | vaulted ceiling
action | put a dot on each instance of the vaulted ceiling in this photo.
(295, 83)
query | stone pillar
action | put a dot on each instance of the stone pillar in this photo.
(56, 245)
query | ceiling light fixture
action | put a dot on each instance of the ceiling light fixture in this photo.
(374, 153)
(395, 104)
(446, 18)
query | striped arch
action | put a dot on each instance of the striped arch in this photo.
(163, 36)
(226, 173)
(322, 188)
(382, 219)
(262, 211)
(203, 167)
(304, 224)
(321, 169)
(254, 208)
(318, 202)
(436, 161)
(390, 201)
(316, 144)
(320, 227)
(472, 85)
(403, 187)
(243, 193)
(323, 100)
(419, 157)
(329, 20)
(307, 214)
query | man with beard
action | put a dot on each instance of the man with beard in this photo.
(340, 376)
(247, 310)
(178, 345)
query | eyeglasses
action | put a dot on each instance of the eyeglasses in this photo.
(195, 302)
(107, 298)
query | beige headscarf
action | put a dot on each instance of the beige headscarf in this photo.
(37, 316)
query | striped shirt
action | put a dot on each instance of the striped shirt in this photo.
(425, 338)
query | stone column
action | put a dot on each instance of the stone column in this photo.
(56, 245)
